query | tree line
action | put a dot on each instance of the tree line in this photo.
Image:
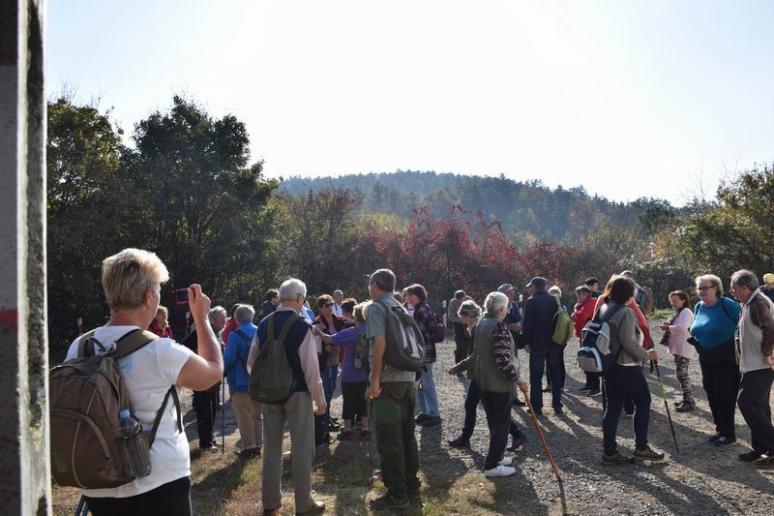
(188, 190)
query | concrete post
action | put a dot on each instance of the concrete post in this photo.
(24, 451)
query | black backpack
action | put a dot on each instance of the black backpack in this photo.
(405, 349)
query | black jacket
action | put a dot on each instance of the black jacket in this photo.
(538, 325)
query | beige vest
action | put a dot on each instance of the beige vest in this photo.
(749, 338)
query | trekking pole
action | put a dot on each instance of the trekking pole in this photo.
(540, 434)
(223, 417)
(662, 394)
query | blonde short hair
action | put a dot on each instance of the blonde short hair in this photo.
(128, 275)
(162, 309)
(360, 312)
(712, 280)
(555, 291)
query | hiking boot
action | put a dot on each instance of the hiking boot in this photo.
(388, 502)
(616, 459)
(594, 392)
(724, 441)
(499, 471)
(250, 453)
(765, 461)
(558, 411)
(686, 406)
(317, 508)
(459, 442)
(547, 388)
(538, 412)
(420, 419)
(750, 456)
(648, 453)
(630, 415)
(517, 442)
(431, 421)
(714, 437)
(345, 435)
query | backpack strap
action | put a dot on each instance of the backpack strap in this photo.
(133, 341)
(287, 327)
(160, 414)
(241, 334)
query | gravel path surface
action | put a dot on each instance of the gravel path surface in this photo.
(700, 479)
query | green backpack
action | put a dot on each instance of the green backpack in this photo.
(562, 325)
(271, 379)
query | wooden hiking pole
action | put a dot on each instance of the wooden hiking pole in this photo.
(540, 434)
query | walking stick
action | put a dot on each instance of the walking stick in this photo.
(223, 417)
(662, 394)
(540, 434)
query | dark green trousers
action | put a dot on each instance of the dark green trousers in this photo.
(393, 414)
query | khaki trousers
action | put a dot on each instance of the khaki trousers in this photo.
(297, 413)
(249, 420)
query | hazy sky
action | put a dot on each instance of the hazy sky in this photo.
(626, 98)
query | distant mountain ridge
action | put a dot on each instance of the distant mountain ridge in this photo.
(523, 208)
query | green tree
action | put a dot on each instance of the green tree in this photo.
(736, 231)
(84, 154)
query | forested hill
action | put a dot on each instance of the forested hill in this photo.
(560, 215)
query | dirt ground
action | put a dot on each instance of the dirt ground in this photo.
(701, 479)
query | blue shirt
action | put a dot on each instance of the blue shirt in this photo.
(235, 357)
(715, 325)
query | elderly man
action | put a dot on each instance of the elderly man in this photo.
(205, 403)
(246, 410)
(338, 298)
(754, 343)
(537, 330)
(297, 411)
(394, 401)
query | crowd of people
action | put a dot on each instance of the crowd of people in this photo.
(382, 351)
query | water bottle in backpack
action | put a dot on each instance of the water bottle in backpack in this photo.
(133, 443)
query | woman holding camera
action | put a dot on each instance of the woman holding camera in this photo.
(676, 334)
(713, 329)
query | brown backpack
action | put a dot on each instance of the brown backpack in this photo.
(88, 448)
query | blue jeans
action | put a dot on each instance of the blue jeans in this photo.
(328, 374)
(553, 357)
(428, 398)
(621, 383)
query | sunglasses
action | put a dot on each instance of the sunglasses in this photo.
(328, 305)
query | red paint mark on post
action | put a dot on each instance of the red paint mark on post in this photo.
(9, 319)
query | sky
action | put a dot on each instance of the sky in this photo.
(657, 98)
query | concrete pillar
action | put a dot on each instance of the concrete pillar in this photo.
(24, 451)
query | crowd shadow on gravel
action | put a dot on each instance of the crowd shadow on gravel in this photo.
(675, 495)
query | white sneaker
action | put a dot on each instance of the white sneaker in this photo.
(500, 471)
(507, 461)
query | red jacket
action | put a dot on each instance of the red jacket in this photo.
(230, 326)
(165, 333)
(641, 320)
(583, 313)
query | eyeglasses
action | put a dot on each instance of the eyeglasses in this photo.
(328, 305)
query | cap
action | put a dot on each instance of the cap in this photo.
(538, 282)
(505, 288)
(627, 272)
(459, 294)
(583, 288)
(768, 277)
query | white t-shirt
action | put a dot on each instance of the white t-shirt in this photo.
(148, 373)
